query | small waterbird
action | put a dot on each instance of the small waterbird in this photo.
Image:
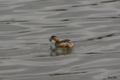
(63, 43)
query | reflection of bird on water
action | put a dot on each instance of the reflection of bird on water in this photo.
(60, 51)
(63, 43)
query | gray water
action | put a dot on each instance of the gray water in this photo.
(27, 25)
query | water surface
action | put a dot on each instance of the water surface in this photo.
(27, 25)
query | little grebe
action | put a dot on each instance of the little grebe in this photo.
(63, 43)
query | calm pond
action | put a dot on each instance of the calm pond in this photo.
(27, 25)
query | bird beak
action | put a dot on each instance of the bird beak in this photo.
(50, 40)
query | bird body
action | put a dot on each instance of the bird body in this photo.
(63, 43)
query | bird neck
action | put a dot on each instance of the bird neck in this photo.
(56, 40)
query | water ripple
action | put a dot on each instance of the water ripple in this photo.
(27, 25)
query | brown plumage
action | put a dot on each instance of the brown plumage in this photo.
(63, 43)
